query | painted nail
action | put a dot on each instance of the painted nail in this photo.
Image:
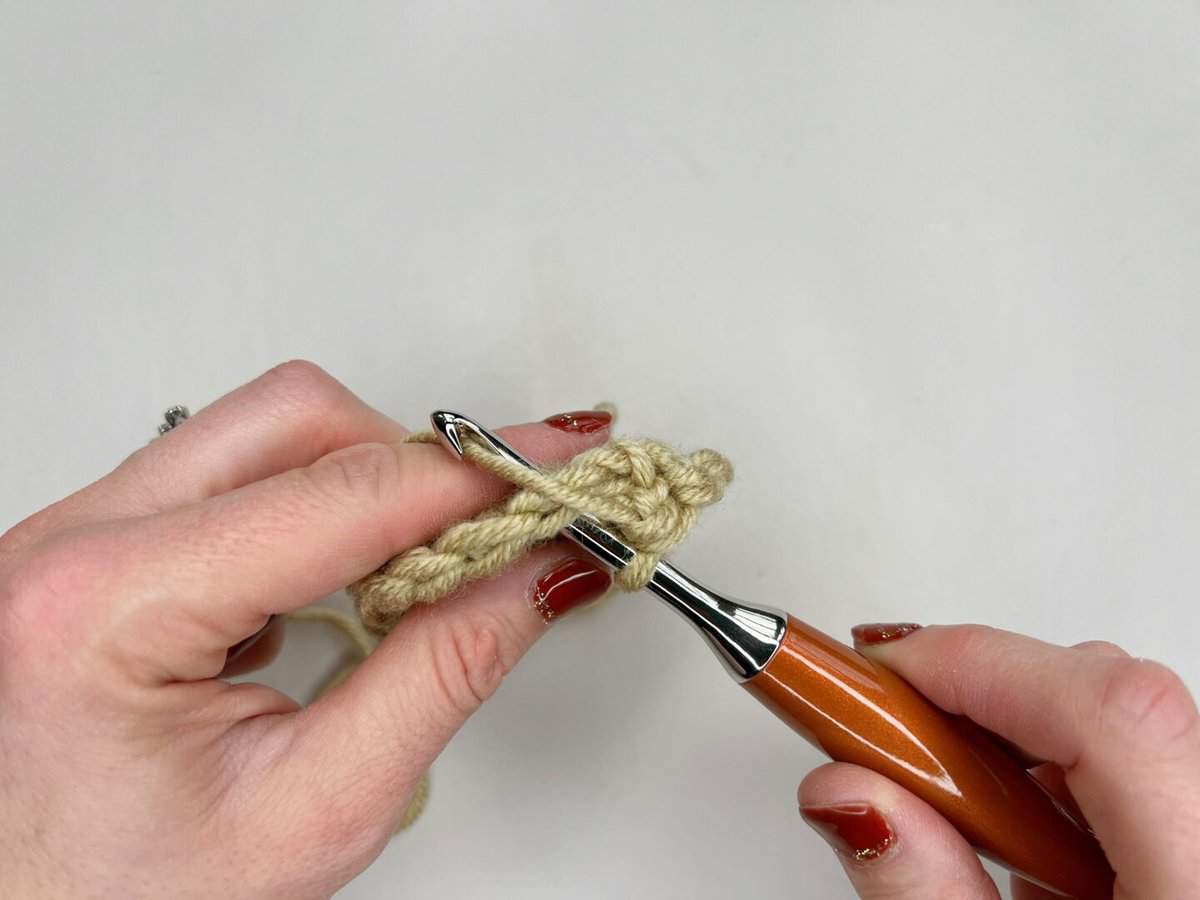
(583, 421)
(855, 830)
(882, 632)
(566, 586)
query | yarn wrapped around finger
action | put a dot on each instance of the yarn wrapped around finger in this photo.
(647, 491)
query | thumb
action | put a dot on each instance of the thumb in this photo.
(358, 752)
(891, 844)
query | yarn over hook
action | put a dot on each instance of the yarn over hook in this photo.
(646, 491)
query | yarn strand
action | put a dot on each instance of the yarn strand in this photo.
(647, 491)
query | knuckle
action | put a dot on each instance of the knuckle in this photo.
(1102, 648)
(38, 530)
(17, 536)
(144, 475)
(363, 473)
(468, 665)
(300, 385)
(43, 575)
(298, 372)
(1147, 699)
(43, 595)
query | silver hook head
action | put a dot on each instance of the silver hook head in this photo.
(449, 427)
(452, 427)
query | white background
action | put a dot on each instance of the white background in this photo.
(926, 272)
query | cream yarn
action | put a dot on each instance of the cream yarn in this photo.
(647, 491)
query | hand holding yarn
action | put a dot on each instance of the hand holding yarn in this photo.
(134, 768)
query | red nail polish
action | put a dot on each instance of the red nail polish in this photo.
(584, 421)
(855, 830)
(882, 632)
(567, 585)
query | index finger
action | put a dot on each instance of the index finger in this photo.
(218, 569)
(1124, 730)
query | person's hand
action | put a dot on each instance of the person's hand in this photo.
(1116, 737)
(128, 767)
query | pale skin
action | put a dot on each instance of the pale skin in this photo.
(1115, 736)
(130, 767)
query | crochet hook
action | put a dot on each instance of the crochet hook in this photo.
(857, 711)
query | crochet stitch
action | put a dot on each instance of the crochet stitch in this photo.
(645, 490)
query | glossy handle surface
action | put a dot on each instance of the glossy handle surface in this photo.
(859, 712)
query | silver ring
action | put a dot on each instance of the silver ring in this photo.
(173, 417)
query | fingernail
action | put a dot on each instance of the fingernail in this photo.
(855, 830)
(882, 632)
(583, 421)
(566, 586)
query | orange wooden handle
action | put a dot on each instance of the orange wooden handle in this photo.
(859, 712)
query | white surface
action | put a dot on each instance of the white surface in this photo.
(926, 272)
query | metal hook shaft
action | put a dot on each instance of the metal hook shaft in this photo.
(743, 637)
(584, 530)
